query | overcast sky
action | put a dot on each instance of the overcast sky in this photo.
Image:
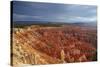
(32, 11)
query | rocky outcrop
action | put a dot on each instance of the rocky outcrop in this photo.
(50, 45)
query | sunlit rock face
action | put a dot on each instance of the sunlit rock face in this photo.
(41, 45)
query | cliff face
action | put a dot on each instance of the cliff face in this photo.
(52, 45)
(23, 51)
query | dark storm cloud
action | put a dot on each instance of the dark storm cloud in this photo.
(33, 11)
